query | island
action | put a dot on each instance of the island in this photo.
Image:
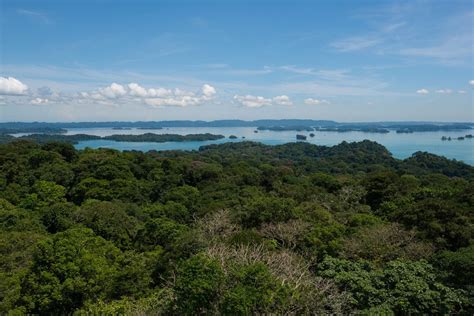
(345, 129)
(285, 128)
(161, 138)
(148, 137)
(232, 137)
(468, 136)
(404, 131)
(149, 128)
(31, 130)
(410, 128)
(300, 137)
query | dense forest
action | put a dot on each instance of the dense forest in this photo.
(234, 229)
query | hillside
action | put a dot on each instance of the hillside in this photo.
(238, 228)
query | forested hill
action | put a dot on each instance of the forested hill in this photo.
(238, 228)
(76, 138)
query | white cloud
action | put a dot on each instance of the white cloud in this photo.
(137, 90)
(208, 91)
(461, 91)
(422, 91)
(252, 101)
(181, 101)
(91, 95)
(113, 91)
(282, 100)
(177, 97)
(311, 101)
(39, 101)
(12, 86)
(156, 97)
(160, 92)
(471, 82)
(444, 91)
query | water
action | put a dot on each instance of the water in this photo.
(400, 145)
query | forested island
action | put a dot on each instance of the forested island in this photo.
(32, 129)
(353, 129)
(468, 136)
(340, 129)
(147, 137)
(234, 229)
(431, 128)
(286, 128)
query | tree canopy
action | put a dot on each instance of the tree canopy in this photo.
(235, 229)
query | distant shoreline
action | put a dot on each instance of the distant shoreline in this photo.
(298, 124)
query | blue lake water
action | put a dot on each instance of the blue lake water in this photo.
(400, 145)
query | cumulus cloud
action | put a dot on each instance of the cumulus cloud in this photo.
(461, 91)
(181, 101)
(422, 91)
(157, 97)
(113, 91)
(12, 86)
(137, 90)
(282, 100)
(96, 96)
(39, 101)
(208, 91)
(471, 82)
(444, 91)
(311, 101)
(177, 97)
(252, 101)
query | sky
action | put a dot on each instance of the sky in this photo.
(205, 60)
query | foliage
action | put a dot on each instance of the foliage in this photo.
(403, 287)
(238, 228)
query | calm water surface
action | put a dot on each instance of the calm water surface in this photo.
(400, 145)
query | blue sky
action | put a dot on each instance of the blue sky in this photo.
(160, 60)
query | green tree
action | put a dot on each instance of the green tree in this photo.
(198, 284)
(68, 269)
(403, 287)
(109, 220)
(253, 290)
(265, 209)
(159, 231)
